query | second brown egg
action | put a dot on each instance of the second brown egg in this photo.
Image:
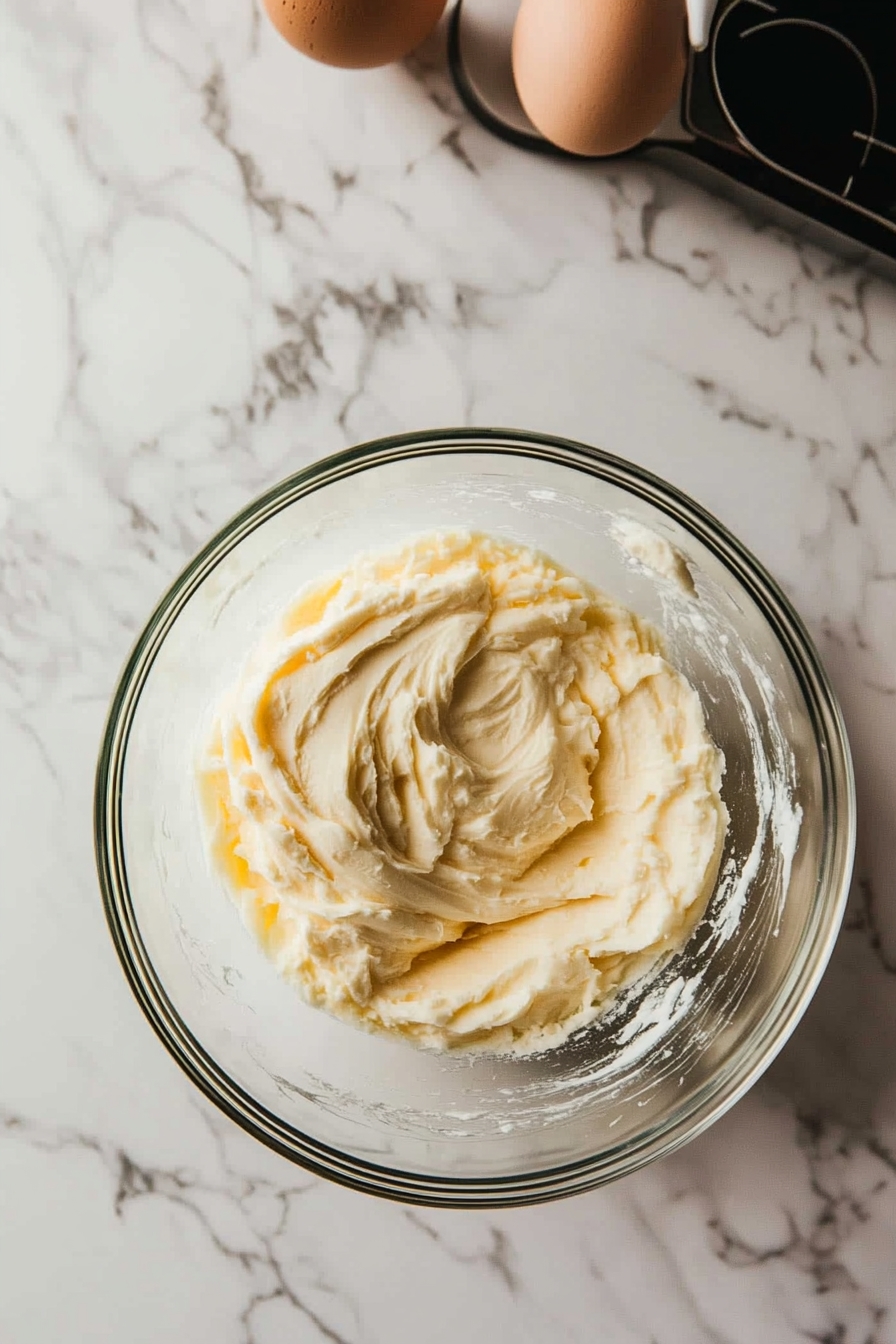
(597, 76)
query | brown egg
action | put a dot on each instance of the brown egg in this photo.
(597, 76)
(354, 33)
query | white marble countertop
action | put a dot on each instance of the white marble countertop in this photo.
(218, 263)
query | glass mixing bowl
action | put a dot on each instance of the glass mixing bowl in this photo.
(677, 1049)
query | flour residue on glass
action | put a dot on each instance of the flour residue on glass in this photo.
(647, 548)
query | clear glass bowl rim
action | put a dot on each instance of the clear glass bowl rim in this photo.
(757, 1051)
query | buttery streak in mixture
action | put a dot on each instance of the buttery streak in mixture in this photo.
(460, 796)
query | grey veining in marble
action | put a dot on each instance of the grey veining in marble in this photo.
(218, 262)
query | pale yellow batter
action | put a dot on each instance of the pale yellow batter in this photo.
(460, 796)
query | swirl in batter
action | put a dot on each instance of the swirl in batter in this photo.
(461, 797)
